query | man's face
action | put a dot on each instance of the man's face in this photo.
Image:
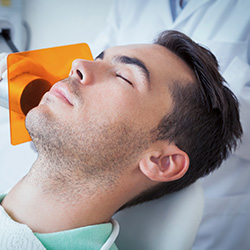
(102, 115)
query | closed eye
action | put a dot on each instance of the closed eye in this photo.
(125, 79)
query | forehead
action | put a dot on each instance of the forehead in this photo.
(163, 65)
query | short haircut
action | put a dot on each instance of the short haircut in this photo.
(204, 121)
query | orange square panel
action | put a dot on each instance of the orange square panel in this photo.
(31, 74)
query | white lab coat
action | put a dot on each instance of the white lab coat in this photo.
(224, 27)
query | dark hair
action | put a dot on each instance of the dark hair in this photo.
(205, 119)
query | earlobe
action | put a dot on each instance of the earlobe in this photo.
(171, 164)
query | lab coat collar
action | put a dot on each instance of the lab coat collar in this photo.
(189, 9)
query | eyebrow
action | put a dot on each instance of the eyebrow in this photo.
(130, 60)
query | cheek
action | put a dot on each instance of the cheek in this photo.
(110, 104)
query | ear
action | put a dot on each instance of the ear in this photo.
(166, 163)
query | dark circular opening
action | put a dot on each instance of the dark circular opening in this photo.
(33, 93)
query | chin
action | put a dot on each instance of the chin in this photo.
(35, 120)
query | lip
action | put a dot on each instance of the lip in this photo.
(61, 91)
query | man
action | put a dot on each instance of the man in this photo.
(137, 123)
(227, 36)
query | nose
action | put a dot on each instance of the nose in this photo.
(82, 70)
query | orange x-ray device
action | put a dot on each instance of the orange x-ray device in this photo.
(30, 75)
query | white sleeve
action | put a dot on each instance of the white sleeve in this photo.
(237, 75)
(108, 36)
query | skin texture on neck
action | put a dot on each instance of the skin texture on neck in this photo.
(47, 211)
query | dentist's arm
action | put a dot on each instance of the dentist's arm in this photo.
(3, 65)
(24, 65)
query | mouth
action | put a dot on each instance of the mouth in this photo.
(61, 91)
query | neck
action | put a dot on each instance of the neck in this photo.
(50, 201)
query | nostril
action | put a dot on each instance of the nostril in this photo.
(79, 74)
